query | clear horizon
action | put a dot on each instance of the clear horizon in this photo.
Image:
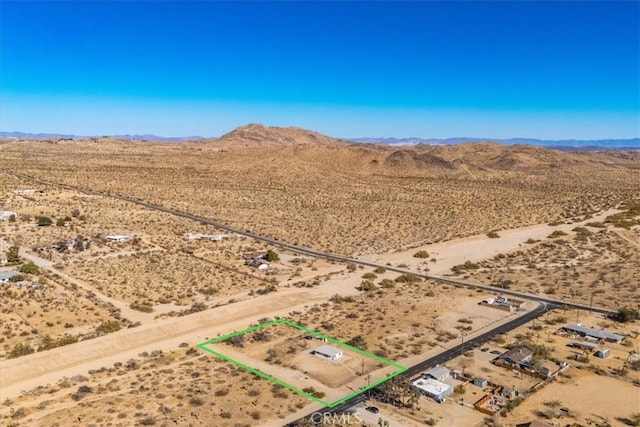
(477, 138)
(541, 70)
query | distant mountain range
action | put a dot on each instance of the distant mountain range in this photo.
(632, 143)
(145, 137)
(566, 144)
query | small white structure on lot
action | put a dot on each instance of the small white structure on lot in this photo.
(198, 236)
(432, 388)
(6, 215)
(119, 238)
(603, 353)
(502, 303)
(329, 352)
(480, 382)
(6, 275)
(24, 191)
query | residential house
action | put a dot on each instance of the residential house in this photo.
(249, 256)
(329, 352)
(439, 373)
(519, 357)
(480, 382)
(118, 238)
(199, 236)
(592, 333)
(6, 276)
(434, 389)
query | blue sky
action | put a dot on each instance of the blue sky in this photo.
(499, 69)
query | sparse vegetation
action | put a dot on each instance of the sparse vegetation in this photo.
(626, 314)
(556, 234)
(163, 270)
(29, 268)
(421, 254)
(272, 256)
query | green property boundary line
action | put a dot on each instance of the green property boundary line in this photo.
(284, 321)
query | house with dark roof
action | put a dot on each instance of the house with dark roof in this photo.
(519, 356)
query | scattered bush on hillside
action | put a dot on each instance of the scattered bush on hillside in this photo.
(312, 391)
(596, 224)
(108, 327)
(407, 278)
(272, 256)
(387, 283)
(555, 234)
(20, 349)
(625, 314)
(358, 342)
(12, 255)
(367, 286)
(145, 307)
(338, 299)
(461, 268)
(43, 221)
(421, 254)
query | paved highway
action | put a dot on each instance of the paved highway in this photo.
(445, 356)
(545, 304)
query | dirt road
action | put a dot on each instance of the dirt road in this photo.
(47, 367)
(475, 248)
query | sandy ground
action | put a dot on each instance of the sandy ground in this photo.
(47, 367)
(19, 374)
(125, 311)
(475, 248)
(590, 399)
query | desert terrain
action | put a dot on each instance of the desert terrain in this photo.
(343, 198)
(99, 321)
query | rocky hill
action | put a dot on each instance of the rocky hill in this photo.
(316, 150)
(257, 135)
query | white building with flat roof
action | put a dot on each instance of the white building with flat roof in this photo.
(433, 388)
(329, 352)
(198, 236)
(5, 276)
(118, 238)
(6, 215)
